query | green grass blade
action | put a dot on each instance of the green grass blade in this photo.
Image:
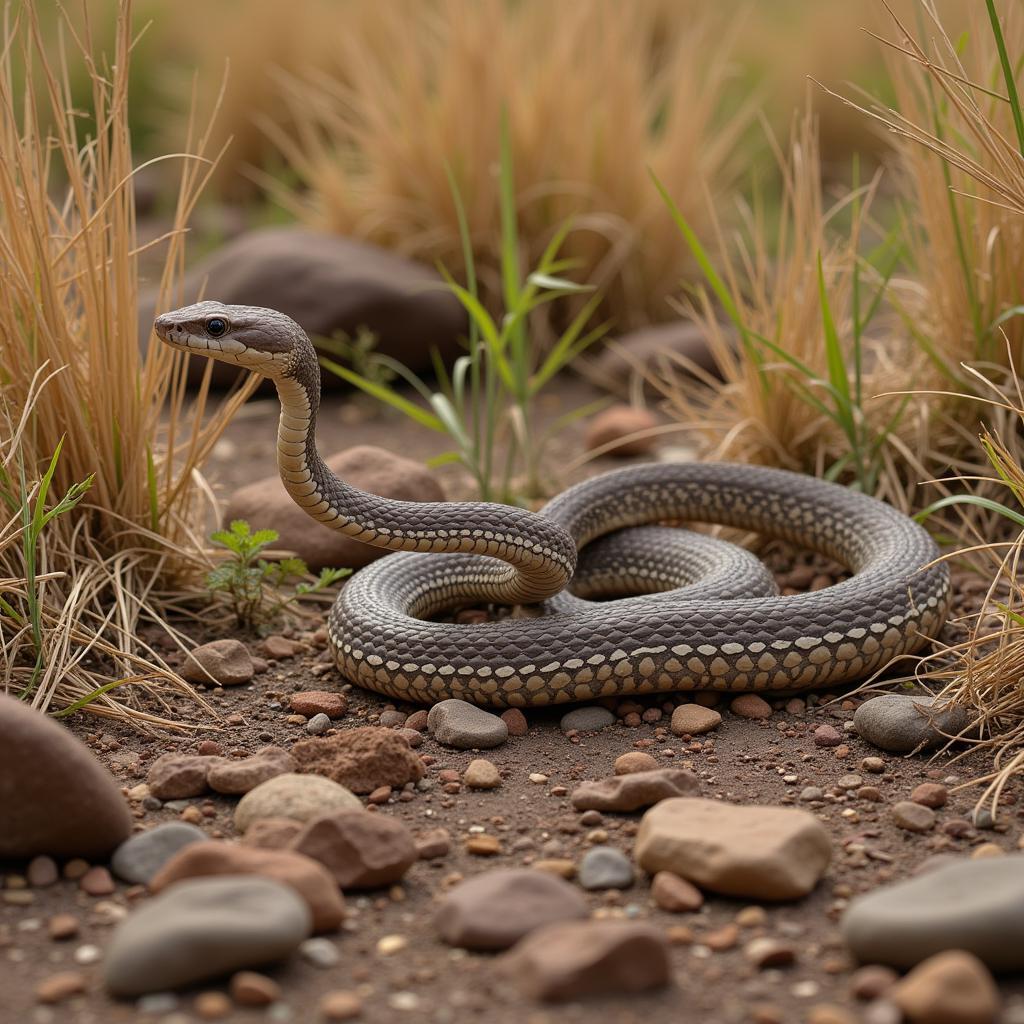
(386, 395)
(971, 499)
(1008, 77)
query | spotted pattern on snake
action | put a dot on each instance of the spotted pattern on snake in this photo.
(721, 626)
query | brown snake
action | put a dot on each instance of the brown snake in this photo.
(706, 616)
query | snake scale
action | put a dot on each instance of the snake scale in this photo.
(703, 614)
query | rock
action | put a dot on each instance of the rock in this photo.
(516, 722)
(634, 761)
(340, 1005)
(972, 905)
(588, 719)
(329, 284)
(251, 989)
(633, 791)
(59, 987)
(299, 797)
(359, 849)
(575, 959)
(762, 853)
(481, 774)
(949, 988)
(433, 844)
(266, 504)
(318, 702)
(417, 721)
(459, 724)
(204, 928)
(318, 725)
(901, 723)
(496, 909)
(307, 877)
(55, 797)
(930, 794)
(616, 427)
(604, 867)
(139, 858)
(827, 736)
(872, 982)
(694, 720)
(912, 816)
(749, 705)
(42, 872)
(675, 894)
(225, 662)
(765, 952)
(360, 759)
(237, 777)
(272, 833)
(181, 776)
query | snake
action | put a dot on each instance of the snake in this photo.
(621, 599)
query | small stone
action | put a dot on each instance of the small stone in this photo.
(675, 894)
(559, 866)
(587, 719)
(459, 724)
(180, 776)
(236, 778)
(251, 989)
(59, 987)
(417, 721)
(516, 722)
(827, 736)
(320, 953)
(722, 939)
(622, 430)
(318, 725)
(139, 858)
(912, 816)
(811, 793)
(272, 833)
(872, 982)
(634, 761)
(930, 794)
(767, 952)
(388, 945)
(828, 1013)
(299, 797)
(391, 719)
(987, 850)
(62, 927)
(749, 705)
(381, 795)
(224, 662)
(578, 959)
(874, 765)
(483, 845)
(481, 774)
(340, 1005)
(694, 720)
(360, 759)
(42, 872)
(212, 1006)
(634, 791)
(604, 867)
(278, 647)
(950, 988)
(318, 702)
(901, 723)
(96, 882)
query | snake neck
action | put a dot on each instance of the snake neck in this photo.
(540, 556)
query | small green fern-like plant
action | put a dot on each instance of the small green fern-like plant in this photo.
(256, 587)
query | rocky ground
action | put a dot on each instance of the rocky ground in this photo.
(450, 837)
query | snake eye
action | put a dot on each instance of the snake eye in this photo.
(216, 327)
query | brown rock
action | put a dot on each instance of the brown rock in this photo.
(58, 987)
(96, 882)
(225, 662)
(340, 1005)
(633, 791)
(634, 761)
(180, 776)
(251, 989)
(576, 959)
(483, 845)
(912, 816)
(481, 774)
(765, 951)
(675, 894)
(417, 720)
(954, 987)
(763, 853)
(694, 720)
(309, 879)
(930, 794)
(212, 1006)
(827, 736)
(279, 647)
(433, 844)
(237, 777)
(42, 872)
(318, 702)
(749, 705)
(872, 981)
(272, 833)
(360, 759)
(617, 426)
(55, 798)
(265, 503)
(516, 722)
(361, 850)
(63, 926)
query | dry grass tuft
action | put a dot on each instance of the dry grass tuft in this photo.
(81, 585)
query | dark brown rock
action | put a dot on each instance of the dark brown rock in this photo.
(55, 798)
(360, 759)
(635, 790)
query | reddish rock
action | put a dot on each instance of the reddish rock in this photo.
(417, 720)
(675, 894)
(749, 705)
(251, 989)
(237, 777)
(97, 882)
(953, 987)
(279, 647)
(516, 722)
(930, 794)
(180, 776)
(827, 736)
(318, 702)
(360, 759)
(633, 791)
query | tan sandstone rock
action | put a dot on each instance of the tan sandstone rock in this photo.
(634, 790)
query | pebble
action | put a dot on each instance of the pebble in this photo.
(604, 867)
(299, 797)
(634, 761)
(912, 816)
(749, 705)
(360, 759)
(225, 662)
(516, 722)
(235, 778)
(765, 951)
(587, 719)
(827, 736)
(318, 702)
(459, 724)
(391, 719)
(483, 845)
(899, 723)
(96, 882)
(320, 953)
(973, 905)
(203, 928)
(62, 927)
(634, 791)
(58, 799)
(388, 945)
(139, 858)
(359, 849)
(212, 1005)
(874, 765)
(318, 724)
(559, 866)
(578, 959)
(417, 721)
(42, 872)
(272, 833)
(675, 894)
(180, 776)
(930, 794)
(694, 720)
(481, 774)
(251, 989)
(953, 987)
(307, 877)
(618, 427)
(759, 852)
(340, 1005)
(279, 647)
(59, 987)
(494, 910)
(433, 844)
(872, 981)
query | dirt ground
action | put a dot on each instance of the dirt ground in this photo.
(743, 761)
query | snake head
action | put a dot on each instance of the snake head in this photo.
(258, 339)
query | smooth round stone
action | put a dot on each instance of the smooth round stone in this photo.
(900, 722)
(203, 929)
(604, 867)
(974, 905)
(459, 724)
(138, 859)
(299, 797)
(55, 797)
(588, 719)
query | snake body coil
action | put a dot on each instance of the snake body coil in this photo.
(690, 629)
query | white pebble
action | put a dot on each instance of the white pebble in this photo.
(320, 952)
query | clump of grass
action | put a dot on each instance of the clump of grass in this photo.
(110, 413)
